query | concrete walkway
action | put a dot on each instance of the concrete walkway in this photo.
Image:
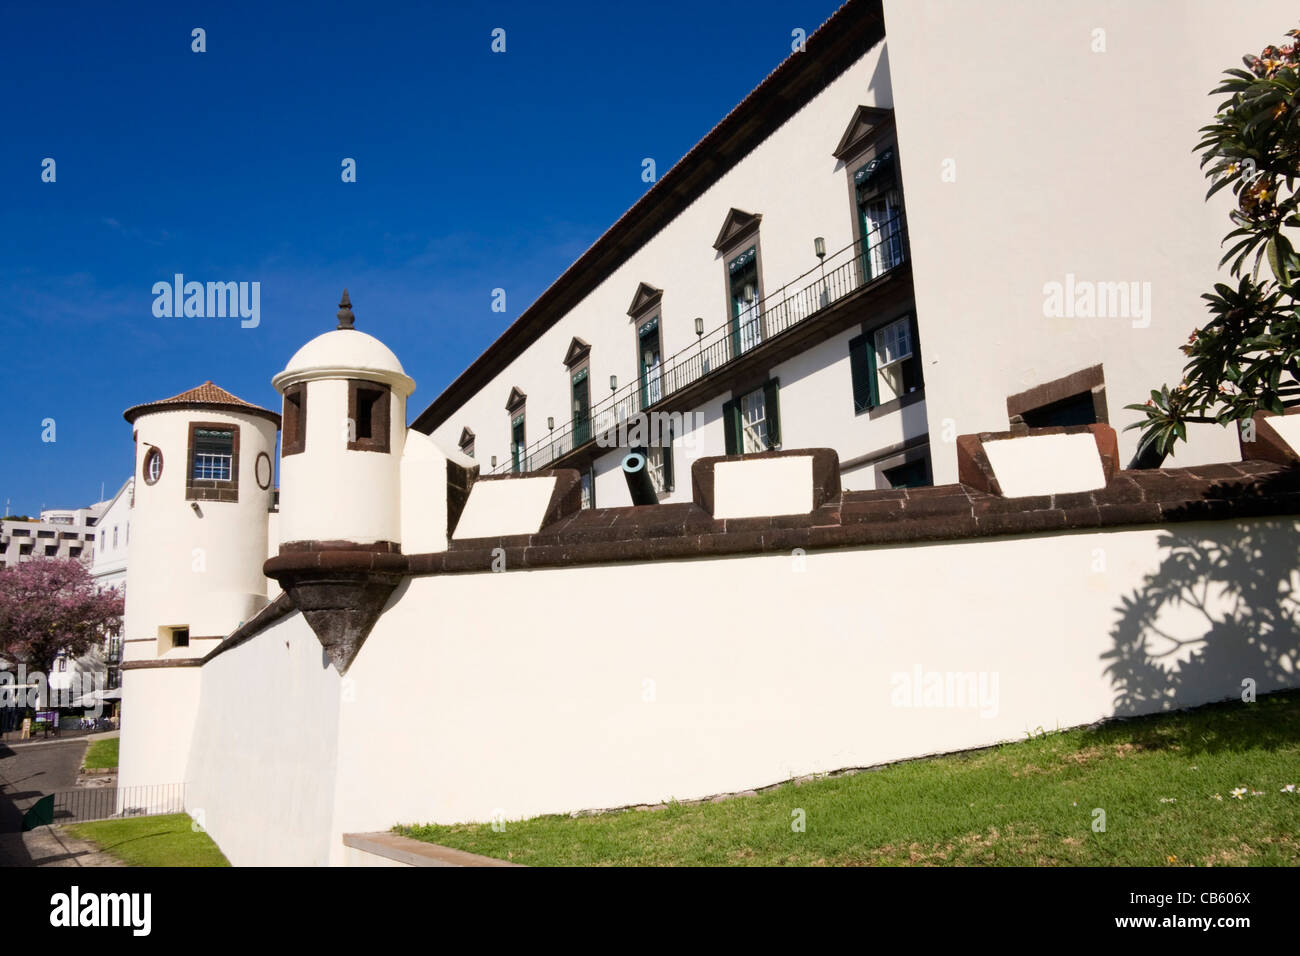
(51, 846)
(67, 737)
(28, 771)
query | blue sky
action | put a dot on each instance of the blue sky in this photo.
(475, 170)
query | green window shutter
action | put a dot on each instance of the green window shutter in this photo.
(668, 467)
(862, 365)
(772, 410)
(730, 427)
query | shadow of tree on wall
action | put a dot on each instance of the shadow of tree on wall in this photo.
(1219, 610)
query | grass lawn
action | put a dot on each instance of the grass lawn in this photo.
(152, 841)
(101, 755)
(1165, 783)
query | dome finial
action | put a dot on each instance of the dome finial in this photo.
(346, 318)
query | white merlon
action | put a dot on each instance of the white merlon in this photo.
(424, 495)
(1288, 427)
(508, 506)
(1046, 464)
(763, 486)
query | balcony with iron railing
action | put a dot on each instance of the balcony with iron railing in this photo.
(796, 303)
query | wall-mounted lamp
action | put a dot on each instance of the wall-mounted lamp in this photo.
(550, 422)
(577, 405)
(749, 293)
(819, 247)
(613, 383)
(494, 461)
(699, 326)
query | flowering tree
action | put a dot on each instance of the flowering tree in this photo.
(1247, 356)
(49, 606)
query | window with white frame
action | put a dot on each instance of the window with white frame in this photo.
(153, 464)
(880, 205)
(753, 422)
(659, 461)
(213, 454)
(893, 348)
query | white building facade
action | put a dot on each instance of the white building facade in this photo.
(859, 256)
(759, 295)
(112, 538)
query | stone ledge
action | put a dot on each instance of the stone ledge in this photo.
(843, 519)
(416, 852)
(164, 662)
(280, 607)
(895, 516)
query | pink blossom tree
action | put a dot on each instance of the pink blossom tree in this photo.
(52, 605)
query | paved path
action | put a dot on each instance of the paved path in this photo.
(50, 846)
(28, 771)
(67, 737)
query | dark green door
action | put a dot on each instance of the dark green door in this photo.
(743, 274)
(581, 408)
(650, 362)
(517, 461)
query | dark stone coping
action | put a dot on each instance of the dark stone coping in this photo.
(378, 547)
(281, 607)
(868, 518)
(167, 662)
(847, 519)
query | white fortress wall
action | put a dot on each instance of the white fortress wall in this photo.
(261, 773)
(544, 691)
(681, 679)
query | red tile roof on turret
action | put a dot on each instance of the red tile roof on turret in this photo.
(203, 396)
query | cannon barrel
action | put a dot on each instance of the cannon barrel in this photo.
(637, 472)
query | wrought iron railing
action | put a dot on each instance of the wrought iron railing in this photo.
(105, 803)
(882, 250)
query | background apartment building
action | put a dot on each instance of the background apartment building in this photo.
(859, 255)
(97, 536)
(58, 533)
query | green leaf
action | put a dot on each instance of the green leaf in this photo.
(1275, 261)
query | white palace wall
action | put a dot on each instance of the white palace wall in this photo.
(545, 691)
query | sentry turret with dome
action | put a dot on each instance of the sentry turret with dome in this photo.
(340, 524)
(344, 430)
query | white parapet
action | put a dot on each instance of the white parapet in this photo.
(760, 487)
(424, 495)
(505, 507)
(1046, 464)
